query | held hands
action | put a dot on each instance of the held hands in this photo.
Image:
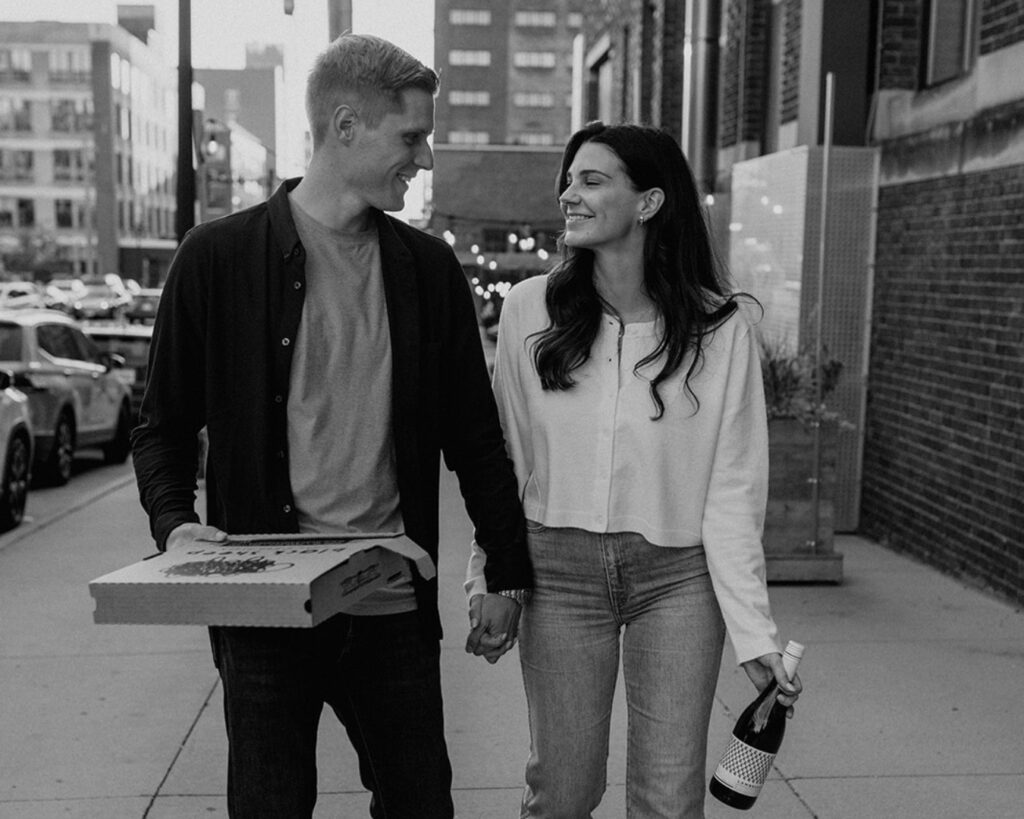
(188, 533)
(493, 624)
(767, 669)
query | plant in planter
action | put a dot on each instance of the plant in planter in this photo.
(802, 432)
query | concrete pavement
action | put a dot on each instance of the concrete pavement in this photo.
(912, 704)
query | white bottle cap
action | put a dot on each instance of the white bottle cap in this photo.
(791, 657)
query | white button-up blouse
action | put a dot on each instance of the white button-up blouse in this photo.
(592, 457)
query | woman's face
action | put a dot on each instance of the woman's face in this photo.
(600, 206)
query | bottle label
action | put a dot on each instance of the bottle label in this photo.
(743, 768)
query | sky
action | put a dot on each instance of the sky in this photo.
(221, 29)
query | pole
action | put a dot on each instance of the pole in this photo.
(826, 158)
(184, 215)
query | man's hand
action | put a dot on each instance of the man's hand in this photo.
(188, 533)
(493, 624)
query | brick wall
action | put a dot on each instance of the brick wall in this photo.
(900, 50)
(793, 11)
(744, 71)
(647, 43)
(943, 461)
(1002, 24)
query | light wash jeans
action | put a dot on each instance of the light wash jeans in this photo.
(590, 589)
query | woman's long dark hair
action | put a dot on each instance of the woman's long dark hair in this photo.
(681, 274)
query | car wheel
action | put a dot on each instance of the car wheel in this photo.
(58, 466)
(116, 452)
(15, 482)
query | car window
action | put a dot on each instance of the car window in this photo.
(10, 342)
(87, 348)
(58, 341)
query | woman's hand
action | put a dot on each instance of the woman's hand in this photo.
(767, 669)
(494, 625)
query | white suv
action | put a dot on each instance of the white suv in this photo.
(76, 395)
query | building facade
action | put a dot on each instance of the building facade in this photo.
(503, 116)
(87, 118)
(922, 132)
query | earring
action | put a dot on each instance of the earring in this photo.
(642, 218)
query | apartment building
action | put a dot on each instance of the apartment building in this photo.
(87, 145)
(503, 117)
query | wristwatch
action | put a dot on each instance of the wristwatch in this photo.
(521, 596)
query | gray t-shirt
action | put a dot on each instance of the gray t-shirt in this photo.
(341, 451)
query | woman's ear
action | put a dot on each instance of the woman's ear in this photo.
(651, 203)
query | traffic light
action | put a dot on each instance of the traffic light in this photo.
(216, 148)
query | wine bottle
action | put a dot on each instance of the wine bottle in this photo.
(755, 740)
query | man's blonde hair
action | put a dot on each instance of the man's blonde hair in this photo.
(369, 73)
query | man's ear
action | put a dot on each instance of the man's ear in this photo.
(344, 121)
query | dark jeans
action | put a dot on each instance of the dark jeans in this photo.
(382, 678)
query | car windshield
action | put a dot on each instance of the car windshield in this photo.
(10, 342)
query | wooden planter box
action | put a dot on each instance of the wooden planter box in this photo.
(791, 550)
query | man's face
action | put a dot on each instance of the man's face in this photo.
(385, 158)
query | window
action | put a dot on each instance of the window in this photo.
(68, 166)
(88, 350)
(534, 138)
(57, 341)
(69, 65)
(16, 166)
(950, 39)
(10, 342)
(469, 17)
(574, 20)
(63, 213)
(15, 64)
(469, 97)
(534, 59)
(71, 115)
(26, 213)
(536, 19)
(468, 137)
(533, 99)
(15, 115)
(7, 213)
(460, 57)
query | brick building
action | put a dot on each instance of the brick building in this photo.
(922, 285)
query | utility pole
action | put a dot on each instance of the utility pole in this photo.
(185, 210)
(339, 18)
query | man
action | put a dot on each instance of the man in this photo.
(332, 353)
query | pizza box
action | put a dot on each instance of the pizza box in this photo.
(256, 580)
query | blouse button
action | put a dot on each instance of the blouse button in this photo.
(287, 508)
(285, 342)
(297, 285)
(278, 399)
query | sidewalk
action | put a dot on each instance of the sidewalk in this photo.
(911, 707)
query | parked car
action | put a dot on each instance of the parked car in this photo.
(14, 295)
(56, 299)
(100, 300)
(71, 288)
(16, 438)
(144, 304)
(76, 396)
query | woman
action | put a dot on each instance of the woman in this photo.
(631, 398)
